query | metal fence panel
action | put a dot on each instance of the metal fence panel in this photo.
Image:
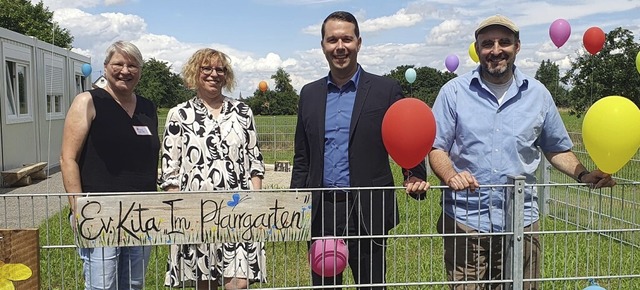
(584, 233)
(588, 234)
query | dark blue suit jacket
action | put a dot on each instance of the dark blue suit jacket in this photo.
(368, 158)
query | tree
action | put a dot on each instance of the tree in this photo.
(162, 86)
(549, 75)
(23, 17)
(610, 72)
(427, 84)
(256, 102)
(283, 81)
(283, 100)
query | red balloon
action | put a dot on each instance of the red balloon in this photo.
(593, 40)
(408, 131)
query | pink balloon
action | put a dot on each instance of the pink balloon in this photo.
(451, 62)
(328, 257)
(559, 31)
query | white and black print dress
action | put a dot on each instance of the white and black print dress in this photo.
(203, 153)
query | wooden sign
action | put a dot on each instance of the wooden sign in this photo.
(20, 254)
(192, 218)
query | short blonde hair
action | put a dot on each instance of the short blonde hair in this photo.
(206, 56)
(126, 48)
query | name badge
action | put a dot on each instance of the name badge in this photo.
(142, 130)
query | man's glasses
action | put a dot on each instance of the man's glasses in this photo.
(207, 70)
(117, 67)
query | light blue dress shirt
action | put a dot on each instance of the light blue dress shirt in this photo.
(337, 124)
(493, 141)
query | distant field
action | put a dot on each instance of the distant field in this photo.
(276, 133)
(573, 123)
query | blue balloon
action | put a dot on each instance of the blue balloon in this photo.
(86, 69)
(593, 285)
(410, 75)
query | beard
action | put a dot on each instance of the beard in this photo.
(498, 71)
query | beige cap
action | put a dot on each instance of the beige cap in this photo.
(498, 20)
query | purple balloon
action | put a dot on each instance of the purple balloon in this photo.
(559, 31)
(451, 62)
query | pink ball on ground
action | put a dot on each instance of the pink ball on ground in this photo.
(328, 257)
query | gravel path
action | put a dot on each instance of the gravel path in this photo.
(275, 179)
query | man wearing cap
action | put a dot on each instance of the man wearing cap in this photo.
(495, 122)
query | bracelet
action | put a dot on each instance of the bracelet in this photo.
(582, 174)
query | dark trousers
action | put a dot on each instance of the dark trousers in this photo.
(339, 217)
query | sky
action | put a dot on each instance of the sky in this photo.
(262, 35)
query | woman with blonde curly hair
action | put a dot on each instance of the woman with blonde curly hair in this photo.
(210, 143)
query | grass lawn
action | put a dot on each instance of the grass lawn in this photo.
(415, 254)
(571, 122)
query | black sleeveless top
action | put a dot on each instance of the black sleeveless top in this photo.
(116, 158)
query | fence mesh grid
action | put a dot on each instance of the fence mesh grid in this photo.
(584, 234)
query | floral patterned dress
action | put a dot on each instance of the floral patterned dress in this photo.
(203, 153)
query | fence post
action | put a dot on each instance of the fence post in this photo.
(275, 143)
(514, 223)
(544, 177)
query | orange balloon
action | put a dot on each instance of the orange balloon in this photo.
(263, 86)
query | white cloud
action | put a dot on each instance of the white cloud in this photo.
(105, 27)
(58, 4)
(529, 12)
(400, 19)
(313, 29)
(81, 51)
(446, 32)
(250, 70)
(113, 2)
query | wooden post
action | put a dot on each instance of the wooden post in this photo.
(282, 165)
(39, 175)
(25, 180)
(10, 177)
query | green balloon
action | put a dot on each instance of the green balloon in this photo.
(410, 75)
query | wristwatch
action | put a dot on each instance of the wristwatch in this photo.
(582, 174)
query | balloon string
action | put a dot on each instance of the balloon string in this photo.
(49, 111)
(590, 100)
(557, 88)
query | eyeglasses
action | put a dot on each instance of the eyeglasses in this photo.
(207, 70)
(117, 67)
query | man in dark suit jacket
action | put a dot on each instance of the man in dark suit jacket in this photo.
(338, 145)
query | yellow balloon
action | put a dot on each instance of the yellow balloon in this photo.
(611, 132)
(472, 52)
(638, 62)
